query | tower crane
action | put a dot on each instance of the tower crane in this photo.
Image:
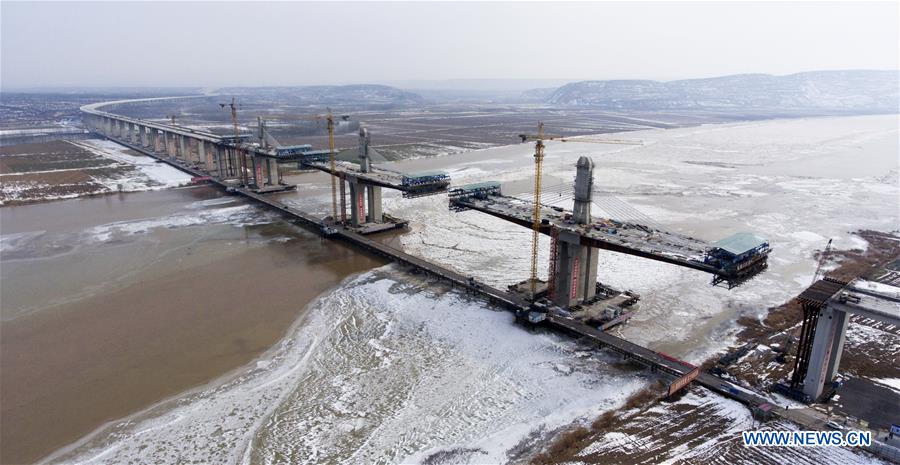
(242, 160)
(822, 258)
(539, 139)
(329, 120)
(528, 137)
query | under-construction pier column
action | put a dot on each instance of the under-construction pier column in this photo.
(182, 148)
(575, 269)
(169, 140)
(357, 201)
(201, 155)
(195, 149)
(265, 172)
(375, 214)
(219, 160)
(827, 346)
(273, 172)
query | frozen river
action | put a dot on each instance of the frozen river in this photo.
(386, 368)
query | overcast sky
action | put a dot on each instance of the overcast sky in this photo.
(218, 43)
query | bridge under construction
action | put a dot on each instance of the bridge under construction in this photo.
(576, 235)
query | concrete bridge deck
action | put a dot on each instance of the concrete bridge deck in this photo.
(382, 178)
(223, 160)
(95, 110)
(628, 238)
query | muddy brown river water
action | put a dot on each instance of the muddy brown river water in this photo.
(99, 321)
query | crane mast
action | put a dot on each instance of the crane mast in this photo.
(538, 169)
(536, 220)
(329, 120)
(334, 208)
(242, 161)
(822, 259)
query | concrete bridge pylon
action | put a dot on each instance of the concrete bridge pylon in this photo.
(574, 269)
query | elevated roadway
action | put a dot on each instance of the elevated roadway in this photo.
(607, 234)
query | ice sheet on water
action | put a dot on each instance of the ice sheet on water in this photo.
(35, 244)
(151, 174)
(378, 371)
(240, 215)
(14, 241)
(761, 191)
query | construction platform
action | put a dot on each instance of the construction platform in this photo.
(411, 184)
(608, 308)
(723, 260)
(389, 223)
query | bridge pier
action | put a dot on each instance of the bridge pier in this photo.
(827, 306)
(375, 214)
(265, 173)
(825, 357)
(173, 145)
(220, 158)
(194, 151)
(231, 162)
(169, 141)
(201, 156)
(574, 271)
(357, 201)
(213, 159)
(182, 149)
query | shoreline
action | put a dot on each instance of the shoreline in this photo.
(218, 381)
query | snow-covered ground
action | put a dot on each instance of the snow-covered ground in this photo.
(81, 174)
(385, 369)
(41, 131)
(702, 427)
(382, 370)
(152, 174)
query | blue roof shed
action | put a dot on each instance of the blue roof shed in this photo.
(741, 243)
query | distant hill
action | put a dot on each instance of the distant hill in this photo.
(846, 91)
(537, 95)
(357, 94)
